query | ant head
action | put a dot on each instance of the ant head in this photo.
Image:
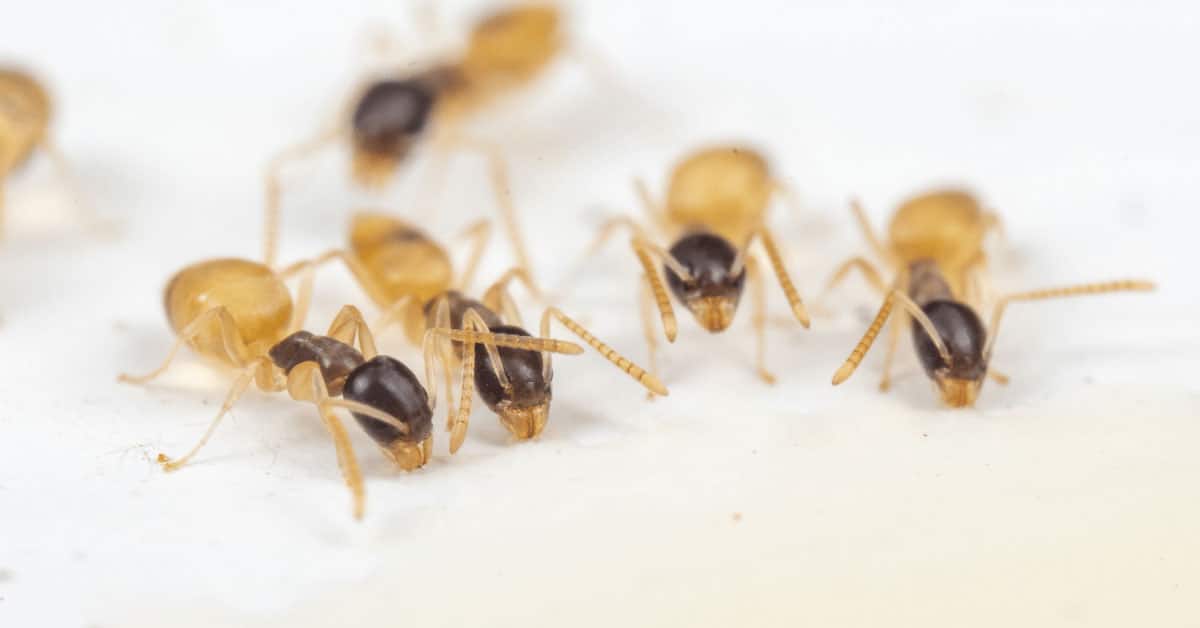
(523, 405)
(959, 379)
(389, 118)
(713, 288)
(514, 44)
(386, 384)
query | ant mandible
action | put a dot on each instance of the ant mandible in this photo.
(715, 209)
(408, 275)
(241, 314)
(935, 249)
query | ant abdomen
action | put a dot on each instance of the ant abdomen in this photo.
(386, 384)
(964, 336)
(335, 358)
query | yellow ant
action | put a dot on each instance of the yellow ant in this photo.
(240, 314)
(935, 250)
(411, 278)
(383, 120)
(25, 109)
(715, 209)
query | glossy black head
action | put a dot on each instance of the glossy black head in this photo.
(525, 405)
(335, 358)
(963, 334)
(391, 114)
(386, 384)
(713, 293)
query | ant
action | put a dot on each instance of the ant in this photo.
(935, 248)
(25, 109)
(408, 275)
(385, 119)
(241, 314)
(715, 209)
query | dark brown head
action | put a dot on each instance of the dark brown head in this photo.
(524, 406)
(963, 333)
(713, 290)
(386, 384)
(389, 119)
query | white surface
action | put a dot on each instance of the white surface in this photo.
(1068, 498)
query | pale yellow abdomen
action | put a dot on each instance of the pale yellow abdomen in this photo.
(253, 294)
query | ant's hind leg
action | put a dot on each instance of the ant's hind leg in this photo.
(897, 325)
(234, 348)
(479, 233)
(498, 298)
(502, 190)
(349, 324)
(235, 392)
(758, 285)
(647, 315)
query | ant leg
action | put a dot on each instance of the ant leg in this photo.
(759, 320)
(235, 348)
(347, 461)
(1056, 293)
(992, 223)
(502, 189)
(318, 394)
(606, 231)
(347, 325)
(897, 326)
(868, 231)
(240, 385)
(998, 377)
(647, 315)
(654, 210)
(360, 273)
(861, 264)
(628, 367)
(781, 273)
(789, 197)
(885, 311)
(273, 187)
(398, 311)
(498, 298)
(479, 233)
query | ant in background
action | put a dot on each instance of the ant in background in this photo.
(241, 315)
(25, 109)
(715, 209)
(411, 278)
(384, 119)
(935, 250)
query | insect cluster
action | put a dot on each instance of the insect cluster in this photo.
(702, 243)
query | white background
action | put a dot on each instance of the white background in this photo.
(1068, 498)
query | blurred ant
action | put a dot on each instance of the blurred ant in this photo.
(24, 126)
(411, 277)
(935, 248)
(715, 209)
(385, 119)
(241, 314)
